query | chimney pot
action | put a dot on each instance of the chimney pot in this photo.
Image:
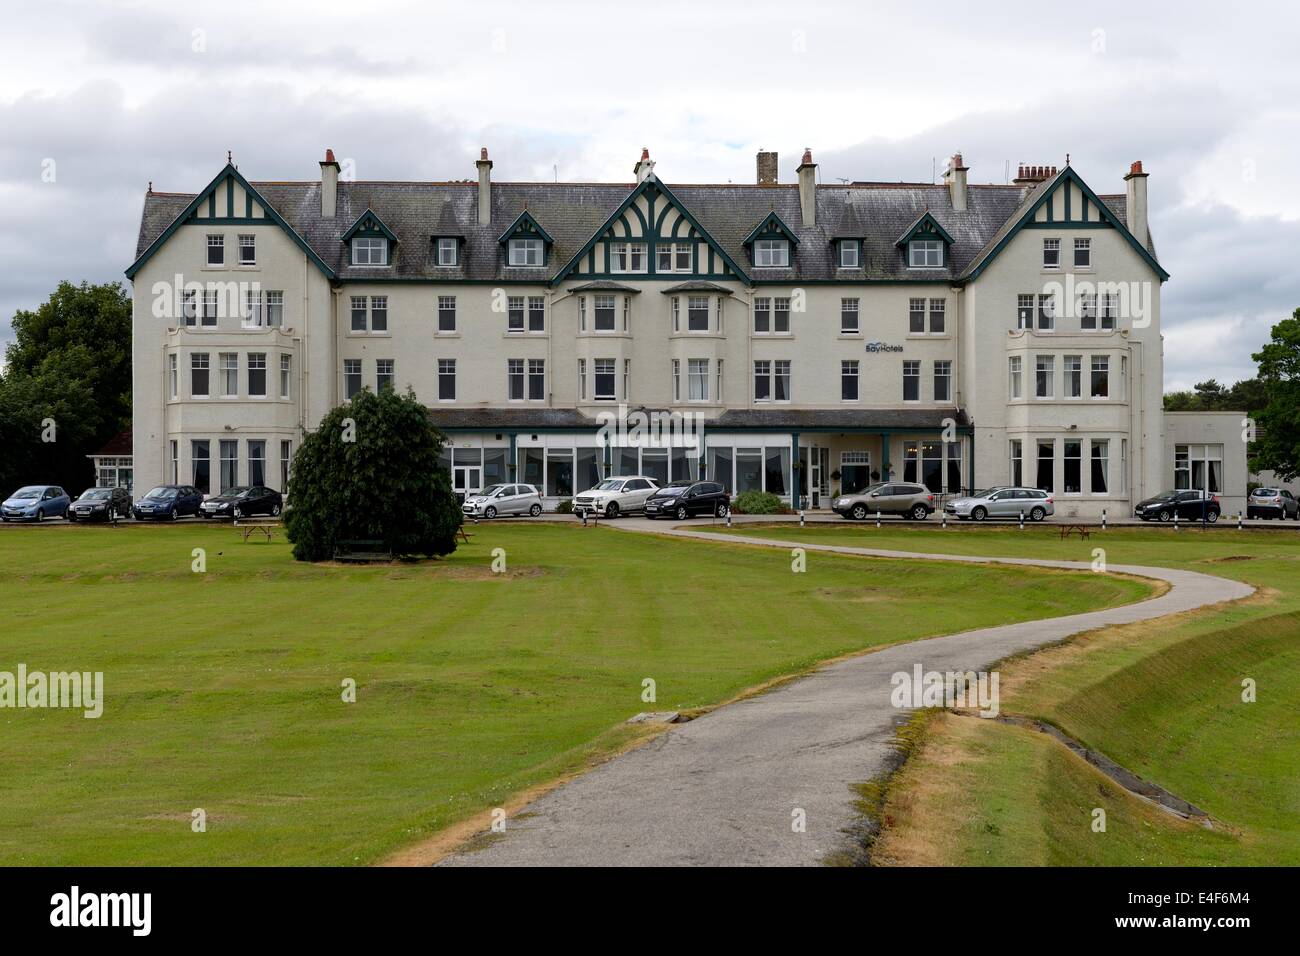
(1135, 199)
(807, 157)
(644, 167)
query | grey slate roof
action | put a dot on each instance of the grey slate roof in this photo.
(572, 212)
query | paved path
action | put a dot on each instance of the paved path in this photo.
(720, 790)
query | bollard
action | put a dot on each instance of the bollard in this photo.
(1238, 520)
(1022, 519)
(1175, 520)
(943, 519)
(877, 517)
(728, 517)
(801, 517)
(1103, 519)
(584, 519)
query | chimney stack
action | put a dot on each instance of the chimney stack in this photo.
(645, 166)
(766, 168)
(1030, 175)
(484, 188)
(955, 177)
(329, 185)
(807, 171)
(1135, 191)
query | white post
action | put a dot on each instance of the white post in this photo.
(877, 517)
(801, 517)
(1103, 519)
(1022, 519)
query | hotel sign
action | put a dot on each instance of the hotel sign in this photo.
(883, 347)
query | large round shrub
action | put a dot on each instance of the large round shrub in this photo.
(371, 472)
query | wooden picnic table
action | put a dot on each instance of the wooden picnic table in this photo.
(1069, 529)
(249, 526)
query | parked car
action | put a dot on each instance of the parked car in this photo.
(1034, 503)
(890, 498)
(35, 503)
(101, 504)
(1272, 503)
(167, 503)
(681, 499)
(504, 500)
(616, 496)
(243, 501)
(1189, 505)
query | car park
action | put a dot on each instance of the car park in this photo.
(682, 499)
(1272, 503)
(890, 498)
(101, 504)
(35, 503)
(1032, 503)
(243, 501)
(167, 503)
(616, 496)
(1188, 505)
(504, 499)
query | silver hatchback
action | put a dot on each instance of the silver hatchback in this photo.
(503, 500)
(1034, 503)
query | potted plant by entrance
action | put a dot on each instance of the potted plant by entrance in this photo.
(835, 477)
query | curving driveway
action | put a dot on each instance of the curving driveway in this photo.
(721, 790)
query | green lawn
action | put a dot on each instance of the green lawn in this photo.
(1163, 700)
(223, 688)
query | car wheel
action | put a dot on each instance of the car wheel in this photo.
(1212, 516)
(611, 510)
(920, 513)
(490, 511)
(979, 514)
(1037, 513)
(535, 510)
(860, 512)
(40, 515)
(1165, 514)
(682, 513)
(275, 510)
(721, 511)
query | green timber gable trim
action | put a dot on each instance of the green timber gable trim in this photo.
(925, 227)
(526, 227)
(1026, 221)
(772, 227)
(715, 265)
(222, 190)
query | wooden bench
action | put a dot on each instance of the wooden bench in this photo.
(362, 551)
(267, 526)
(1069, 529)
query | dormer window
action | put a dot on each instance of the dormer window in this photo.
(369, 251)
(925, 254)
(771, 253)
(448, 251)
(850, 254)
(525, 252)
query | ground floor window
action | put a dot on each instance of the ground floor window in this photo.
(117, 472)
(855, 471)
(200, 461)
(1198, 467)
(286, 455)
(229, 465)
(1046, 480)
(755, 468)
(1100, 466)
(935, 464)
(1017, 462)
(1073, 457)
(662, 464)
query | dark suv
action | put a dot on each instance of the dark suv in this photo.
(1185, 505)
(681, 499)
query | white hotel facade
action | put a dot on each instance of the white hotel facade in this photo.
(827, 336)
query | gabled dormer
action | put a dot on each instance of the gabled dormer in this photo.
(772, 243)
(925, 243)
(370, 243)
(527, 244)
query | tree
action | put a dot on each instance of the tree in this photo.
(69, 367)
(371, 472)
(1277, 445)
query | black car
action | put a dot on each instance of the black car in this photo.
(101, 504)
(1186, 505)
(681, 499)
(167, 503)
(243, 501)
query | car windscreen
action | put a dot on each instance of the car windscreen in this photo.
(96, 494)
(1265, 492)
(161, 494)
(608, 484)
(672, 490)
(1166, 494)
(491, 489)
(28, 492)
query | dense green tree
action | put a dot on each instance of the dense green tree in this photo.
(70, 363)
(1277, 446)
(1248, 395)
(371, 472)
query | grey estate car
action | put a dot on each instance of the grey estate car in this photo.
(891, 498)
(1035, 503)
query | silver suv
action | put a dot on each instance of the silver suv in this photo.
(1272, 503)
(891, 498)
(616, 496)
(1033, 503)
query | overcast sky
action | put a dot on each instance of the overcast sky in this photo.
(103, 97)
